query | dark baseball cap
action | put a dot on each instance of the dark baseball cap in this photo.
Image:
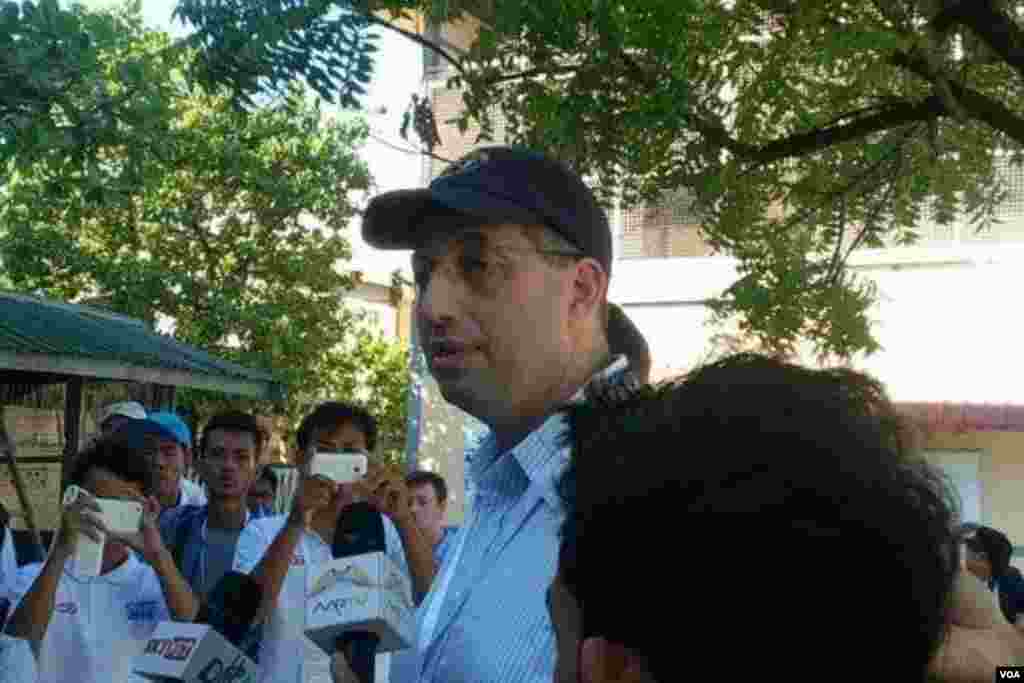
(490, 185)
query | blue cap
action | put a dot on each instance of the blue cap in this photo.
(174, 424)
(134, 432)
(491, 185)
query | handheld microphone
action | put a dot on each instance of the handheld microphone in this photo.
(217, 647)
(359, 603)
(232, 606)
(360, 531)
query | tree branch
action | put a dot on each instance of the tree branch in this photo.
(984, 108)
(892, 117)
(988, 22)
(531, 73)
(417, 38)
(799, 144)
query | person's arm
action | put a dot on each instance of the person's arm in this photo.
(391, 497)
(272, 569)
(32, 616)
(181, 601)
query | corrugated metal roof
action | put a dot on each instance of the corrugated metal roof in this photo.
(41, 335)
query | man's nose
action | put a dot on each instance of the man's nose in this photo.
(437, 302)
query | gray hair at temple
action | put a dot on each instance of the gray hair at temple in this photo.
(625, 339)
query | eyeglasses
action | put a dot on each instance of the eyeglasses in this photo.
(475, 263)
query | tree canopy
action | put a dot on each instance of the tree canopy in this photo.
(799, 131)
(225, 227)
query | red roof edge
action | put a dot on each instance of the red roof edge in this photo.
(965, 417)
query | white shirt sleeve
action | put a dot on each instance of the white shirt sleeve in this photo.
(254, 540)
(17, 663)
(152, 590)
(393, 545)
(8, 564)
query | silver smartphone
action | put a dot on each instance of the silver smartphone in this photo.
(342, 467)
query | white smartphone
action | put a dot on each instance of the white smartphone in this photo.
(340, 467)
(122, 517)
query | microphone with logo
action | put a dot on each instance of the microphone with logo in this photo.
(359, 603)
(213, 648)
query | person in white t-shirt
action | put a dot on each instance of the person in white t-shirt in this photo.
(89, 629)
(303, 539)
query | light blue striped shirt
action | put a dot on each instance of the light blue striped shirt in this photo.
(486, 620)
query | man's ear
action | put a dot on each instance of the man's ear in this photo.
(589, 287)
(602, 661)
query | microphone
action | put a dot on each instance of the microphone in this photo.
(359, 603)
(214, 648)
(360, 531)
(232, 606)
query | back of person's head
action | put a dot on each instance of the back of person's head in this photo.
(624, 338)
(117, 455)
(234, 421)
(994, 546)
(765, 515)
(332, 415)
(433, 479)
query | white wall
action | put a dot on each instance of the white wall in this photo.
(946, 319)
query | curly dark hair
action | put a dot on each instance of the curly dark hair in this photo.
(758, 500)
(333, 414)
(117, 454)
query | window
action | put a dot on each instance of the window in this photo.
(668, 228)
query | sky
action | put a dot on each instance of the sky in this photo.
(396, 77)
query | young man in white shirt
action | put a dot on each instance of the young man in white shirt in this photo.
(303, 539)
(89, 629)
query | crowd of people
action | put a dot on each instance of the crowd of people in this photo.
(750, 515)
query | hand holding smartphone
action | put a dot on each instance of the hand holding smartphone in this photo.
(118, 517)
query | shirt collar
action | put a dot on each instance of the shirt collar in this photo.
(543, 449)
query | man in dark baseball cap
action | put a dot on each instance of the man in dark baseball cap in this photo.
(494, 185)
(511, 257)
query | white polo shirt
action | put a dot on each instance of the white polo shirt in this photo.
(286, 654)
(98, 624)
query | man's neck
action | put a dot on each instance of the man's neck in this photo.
(511, 432)
(434, 535)
(226, 513)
